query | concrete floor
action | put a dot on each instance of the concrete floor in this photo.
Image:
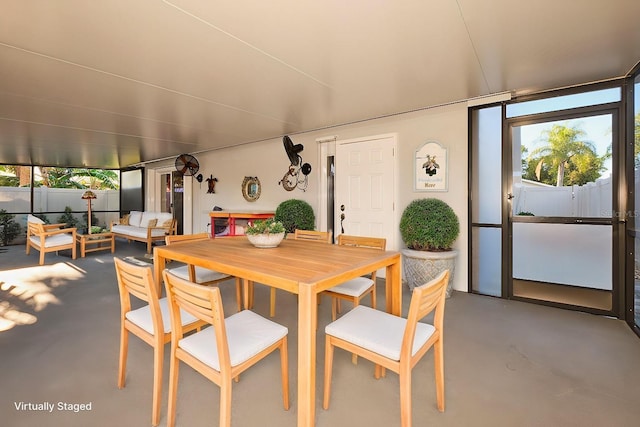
(507, 363)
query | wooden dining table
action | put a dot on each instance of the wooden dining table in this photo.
(300, 267)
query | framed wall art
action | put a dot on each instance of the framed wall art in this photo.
(430, 167)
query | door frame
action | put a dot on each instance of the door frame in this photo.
(327, 147)
(155, 184)
(618, 202)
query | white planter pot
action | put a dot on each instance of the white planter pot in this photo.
(421, 267)
(265, 240)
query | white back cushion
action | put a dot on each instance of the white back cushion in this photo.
(146, 218)
(34, 219)
(134, 218)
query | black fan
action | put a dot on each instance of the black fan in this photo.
(187, 165)
(293, 151)
(291, 178)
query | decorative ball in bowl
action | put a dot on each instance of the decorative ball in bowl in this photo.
(266, 233)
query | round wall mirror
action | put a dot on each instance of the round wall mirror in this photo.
(251, 188)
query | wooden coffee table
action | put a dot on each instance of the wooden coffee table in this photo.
(95, 242)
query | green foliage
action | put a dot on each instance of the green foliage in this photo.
(567, 159)
(265, 226)
(9, 228)
(429, 225)
(295, 214)
(101, 179)
(68, 218)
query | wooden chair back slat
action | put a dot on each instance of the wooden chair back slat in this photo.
(313, 235)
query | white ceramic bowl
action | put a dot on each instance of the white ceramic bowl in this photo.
(265, 240)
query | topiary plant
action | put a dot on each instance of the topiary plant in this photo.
(68, 218)
(429, 225)
(295, 214)
(9, 228)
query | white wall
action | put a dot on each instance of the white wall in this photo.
(268, 161)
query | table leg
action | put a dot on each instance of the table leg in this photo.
(307, 307)
(246, 293)
(158, 265)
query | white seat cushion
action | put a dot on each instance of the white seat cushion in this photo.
(142, 317)
(54, 240)
(354, 287)
(203, 275)
(248, 334)
(377, 331)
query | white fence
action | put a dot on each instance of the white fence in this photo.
(17, 199)
(590, 200)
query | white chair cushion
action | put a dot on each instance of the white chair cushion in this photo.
(248, 334)
(55, 240)
(163, 217)
(354, 287)
(377, 331)
(34, 219)
(203, 275)
(142, 317)
(148, 217)
(134, 218)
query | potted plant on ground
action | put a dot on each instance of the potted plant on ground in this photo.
(428, 228)
(295, 214)
(267, 233)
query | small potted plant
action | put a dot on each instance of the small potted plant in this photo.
(428, 228)
(267, 233)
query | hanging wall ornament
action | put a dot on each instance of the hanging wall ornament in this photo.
(211, 182)
(292, 178)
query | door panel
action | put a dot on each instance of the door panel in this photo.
(365, 171)
(561, 211)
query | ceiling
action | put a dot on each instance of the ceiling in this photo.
(119, 82)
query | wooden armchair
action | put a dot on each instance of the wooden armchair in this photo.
(50, 238)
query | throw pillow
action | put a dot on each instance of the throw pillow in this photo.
(124, 220)
(152, 223)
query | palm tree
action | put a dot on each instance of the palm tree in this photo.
(567, 150)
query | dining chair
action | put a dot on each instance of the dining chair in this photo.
(151, 323)
(310, 235)
(392, 342)
(224, 350)
(201, 275)
(49, 237)
(355, 289)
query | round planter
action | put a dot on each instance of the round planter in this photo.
(265, 240)
(421, 267)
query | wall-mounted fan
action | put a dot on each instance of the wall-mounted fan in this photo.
(292, 179)
(187, 165)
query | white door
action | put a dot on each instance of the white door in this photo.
(365, 188)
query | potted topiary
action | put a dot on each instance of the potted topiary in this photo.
(267, 233)
(428, 228)
(295, 214)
